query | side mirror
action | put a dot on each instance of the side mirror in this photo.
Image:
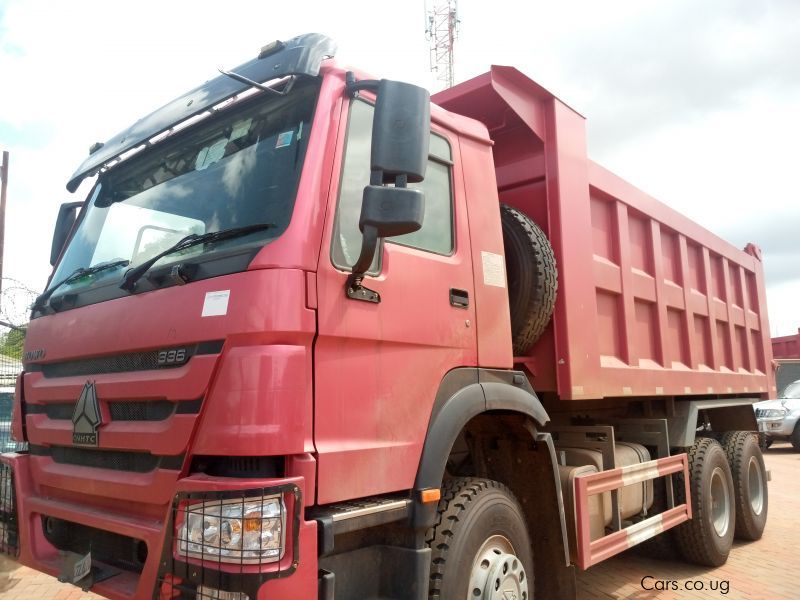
(401, 130)
(391, 211)
(67, 213)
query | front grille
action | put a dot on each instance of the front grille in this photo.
(110, 548)
(61, 411)
(123, 363)
(121, 410)
(141, 411)
(9, 528)
(115, 460)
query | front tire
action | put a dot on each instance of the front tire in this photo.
(795, 439)
(707, 538)
(749, 483)
(480, 545)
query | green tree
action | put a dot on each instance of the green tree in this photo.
(11, 343)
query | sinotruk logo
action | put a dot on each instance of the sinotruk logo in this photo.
(86, 418)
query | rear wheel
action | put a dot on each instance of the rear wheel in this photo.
(707, 538)
(480, 545)
(749, 483)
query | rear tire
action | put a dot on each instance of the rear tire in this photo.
(479, 546)
(707, 538)
(749, 483)
(532, 278)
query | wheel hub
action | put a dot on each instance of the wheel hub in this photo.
(720, 502)
(755, 486)
(497, 573)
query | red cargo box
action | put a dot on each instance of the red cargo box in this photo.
(787, 346)
(649, 303)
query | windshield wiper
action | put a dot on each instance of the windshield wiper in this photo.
(133, 275)
(264, 88)
(41, 300)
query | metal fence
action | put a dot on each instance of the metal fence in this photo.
(12, 338)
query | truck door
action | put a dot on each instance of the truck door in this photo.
(378, 366)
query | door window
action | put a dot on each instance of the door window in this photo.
(436, 234)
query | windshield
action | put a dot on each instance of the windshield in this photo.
(792, 391)
(235, 169)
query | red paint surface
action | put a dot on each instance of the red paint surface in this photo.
(378, 366)
(649, 303)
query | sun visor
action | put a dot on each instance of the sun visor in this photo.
(301, 55)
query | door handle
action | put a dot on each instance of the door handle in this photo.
(459, 298)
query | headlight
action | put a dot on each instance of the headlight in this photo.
(235, 531)
(771, 413)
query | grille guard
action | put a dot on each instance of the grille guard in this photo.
(180, 577)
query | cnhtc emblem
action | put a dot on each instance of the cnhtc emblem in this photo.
(86, 418)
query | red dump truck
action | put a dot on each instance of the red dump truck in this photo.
(317, 335)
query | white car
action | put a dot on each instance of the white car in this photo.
(777, 419)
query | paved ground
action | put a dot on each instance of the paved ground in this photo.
(767, 568)
(764, 569)
(22, 583)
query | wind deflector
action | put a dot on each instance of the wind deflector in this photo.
(301, 55)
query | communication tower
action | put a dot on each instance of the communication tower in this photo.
(441, 29)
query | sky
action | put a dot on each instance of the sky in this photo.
(695, 103)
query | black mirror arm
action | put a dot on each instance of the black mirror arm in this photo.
(353, 86)
(368, 245)
(354, 287)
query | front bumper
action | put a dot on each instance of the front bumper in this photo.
(159, 572)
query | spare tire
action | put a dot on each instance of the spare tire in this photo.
(532, 278)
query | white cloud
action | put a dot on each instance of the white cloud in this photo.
(694, 104)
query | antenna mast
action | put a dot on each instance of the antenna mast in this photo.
(441, 30)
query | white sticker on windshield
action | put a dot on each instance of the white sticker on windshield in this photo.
(494, 273)
(284, 139)
(210, 154)
(216, 303)
(240, 129)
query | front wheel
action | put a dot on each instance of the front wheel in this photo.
(795, 437)
(480, 547)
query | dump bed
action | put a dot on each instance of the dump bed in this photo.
(649, 303)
